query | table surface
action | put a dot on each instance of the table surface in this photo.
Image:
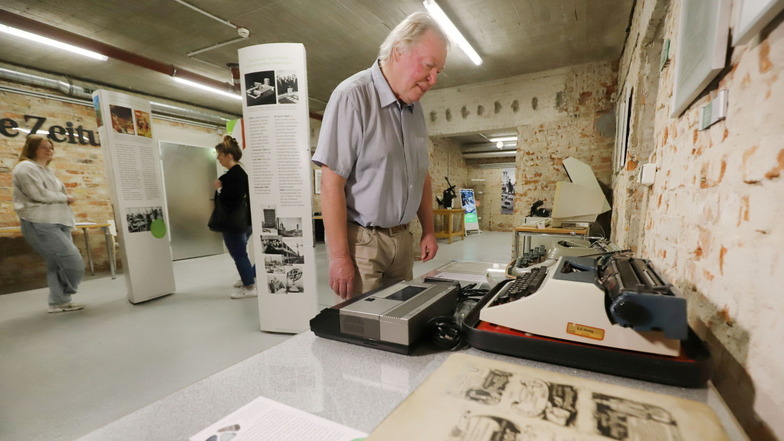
(349, 384)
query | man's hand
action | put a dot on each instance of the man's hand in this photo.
(428, 247)
(70, 199)
(341, 276)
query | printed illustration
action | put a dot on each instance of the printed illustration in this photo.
(556, 403)
(507, 191)
(260, 88)
(486, 386)
(274, 264)
(142, 218)
(268, 223)
(294, 279)
(276, 283)
(290, 226)
(142, 123)
(122, 119)
(225, 433)
(288, 88)
(484, 428)
(623, 419)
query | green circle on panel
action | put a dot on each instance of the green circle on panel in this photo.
(158, 228)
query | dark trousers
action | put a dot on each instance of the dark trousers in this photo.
(237, 244)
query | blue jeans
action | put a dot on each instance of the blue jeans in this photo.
(237, 244)
(64, 264)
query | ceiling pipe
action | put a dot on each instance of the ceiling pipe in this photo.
(497, 154)
(29, 25)
(215, 46)
(479, 148)
(84, 96)
(207, 14)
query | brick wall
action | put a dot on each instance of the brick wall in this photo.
(79, 165)
(558, 113)
(711, 219)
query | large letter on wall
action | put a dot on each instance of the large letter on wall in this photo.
(134, 170)
(277, 137)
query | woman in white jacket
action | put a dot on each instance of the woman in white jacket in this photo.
(45, 215)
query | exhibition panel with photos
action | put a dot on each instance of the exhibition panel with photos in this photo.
(276, 138)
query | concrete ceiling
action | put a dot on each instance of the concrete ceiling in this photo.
(340, 36)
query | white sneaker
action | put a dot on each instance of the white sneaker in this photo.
(65, 307)
(238, 284)
(245, 293)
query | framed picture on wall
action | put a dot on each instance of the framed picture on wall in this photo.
(703, 33)
(751, 16)
(316, 181)
(623, 115)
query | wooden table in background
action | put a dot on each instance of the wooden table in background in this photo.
(448, 215)
(528, 231)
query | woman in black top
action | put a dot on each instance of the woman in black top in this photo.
(231, 188)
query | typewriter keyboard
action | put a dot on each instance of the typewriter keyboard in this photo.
(523, 286)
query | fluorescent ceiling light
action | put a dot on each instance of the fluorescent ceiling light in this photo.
(503, 139)
(50, 42)
(451, 30)
(207, 88)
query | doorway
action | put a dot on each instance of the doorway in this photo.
(188, 176)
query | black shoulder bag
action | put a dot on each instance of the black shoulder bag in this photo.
(235, 221)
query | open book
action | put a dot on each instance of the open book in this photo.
(471, 398)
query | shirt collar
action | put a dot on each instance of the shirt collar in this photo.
(385, 94)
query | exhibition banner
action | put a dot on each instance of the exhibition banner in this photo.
(134, 170)
(470, 217)
(277, 142)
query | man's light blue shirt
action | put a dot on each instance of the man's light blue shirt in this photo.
(378, 146)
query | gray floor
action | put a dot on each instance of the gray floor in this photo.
(64, 375)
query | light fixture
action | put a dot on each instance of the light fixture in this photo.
(499, 144)
(451, 30)
(207, 88)
(50, 42)
(503, 139)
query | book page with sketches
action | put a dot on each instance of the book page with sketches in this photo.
(471, 398)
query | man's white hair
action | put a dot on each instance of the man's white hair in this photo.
(408, 33)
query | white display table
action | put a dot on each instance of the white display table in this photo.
(351, 385)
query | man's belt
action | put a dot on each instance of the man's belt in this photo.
(389, 230)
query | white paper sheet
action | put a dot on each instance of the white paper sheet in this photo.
(266, 420)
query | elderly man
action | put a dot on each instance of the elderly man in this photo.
(373, 154)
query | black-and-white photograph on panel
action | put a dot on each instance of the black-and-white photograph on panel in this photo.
(288, 89)
(294, 282)
(140, 219)
(260, 88)
(507, 190)
(282, 248)
(290, 226)
(268, 222)
(273, 263)
(276, 283)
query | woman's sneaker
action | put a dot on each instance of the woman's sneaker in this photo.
(65, 307)
(245, 292)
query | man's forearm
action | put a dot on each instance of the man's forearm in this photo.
(425, 211)
(333, 208)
